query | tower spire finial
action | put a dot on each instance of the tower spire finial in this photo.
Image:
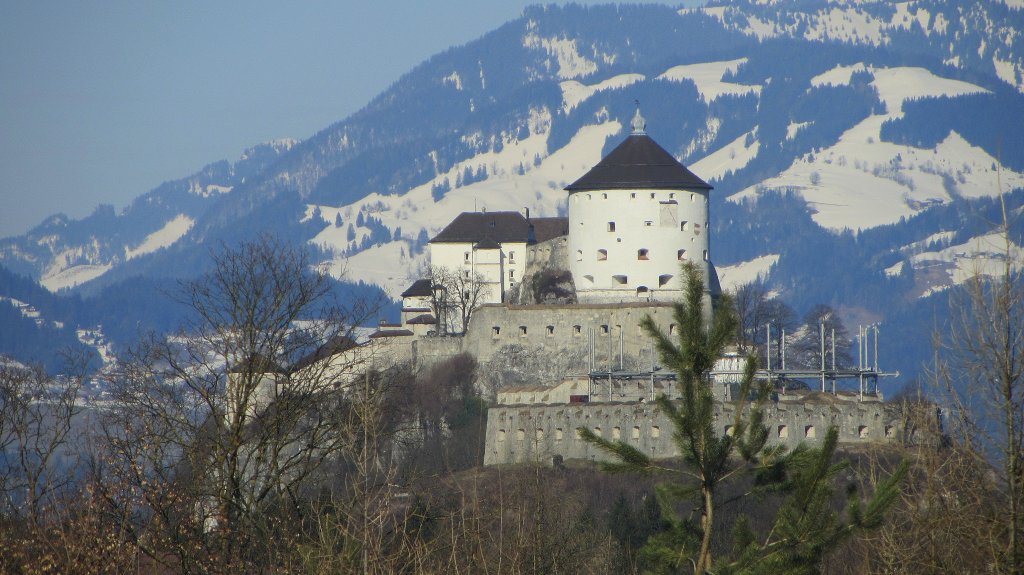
(638, 123)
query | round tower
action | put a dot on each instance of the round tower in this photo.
(633, 219)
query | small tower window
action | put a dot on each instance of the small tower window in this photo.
(511, 275)
(655, 431)
(681, 255)
(511, 257)
(648, 223)
(604, 329)
(783, 432)
(597, 430)
(620, 279)
(602, 255)
(579, 255)
(616, 432)
(522, 331)
(809, 432)
(577, 330)
(664, 279)
(705, 255)
(636, 432)
(496, 331)
(682, 226)
(604, 196)
(550, 330)
(671, 329)
(632, 196)
(653, 195)
(642, 291)
(465, 257)
(641, 254)
(611, 226)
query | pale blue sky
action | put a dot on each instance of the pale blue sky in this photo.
(102, 101)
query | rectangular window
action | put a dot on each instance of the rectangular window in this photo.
(465, 257)
(611, 226)
(511, 257)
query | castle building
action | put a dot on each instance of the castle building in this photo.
(489, 248)
(633, 219)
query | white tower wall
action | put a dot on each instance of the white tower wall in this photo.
(626, 244)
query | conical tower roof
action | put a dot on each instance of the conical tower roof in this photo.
(638, 163)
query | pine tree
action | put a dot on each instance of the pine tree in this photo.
(805, 527)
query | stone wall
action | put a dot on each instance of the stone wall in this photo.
(536, 433)
(563, 329)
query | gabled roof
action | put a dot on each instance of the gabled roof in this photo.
(475, 226)
(490, 229)
(638, 163)
(419, 288)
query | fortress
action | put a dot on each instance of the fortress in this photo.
(551, 307)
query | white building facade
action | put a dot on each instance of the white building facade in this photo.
(633, 219)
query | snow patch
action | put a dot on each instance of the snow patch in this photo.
(1008, 71)
(984, 255)
(171, 232)
(73, 276)
(838, 76)
(895, 269)
(708, 78)
(732, 157)
(453, 79)
(571, 64)
(574, 93)
(736, 275)
(861, 182)
(794, 128)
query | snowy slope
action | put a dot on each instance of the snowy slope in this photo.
(861, 182)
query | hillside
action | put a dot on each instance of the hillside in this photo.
(855, 149)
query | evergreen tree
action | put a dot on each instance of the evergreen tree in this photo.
(805, 527)
(337, 220)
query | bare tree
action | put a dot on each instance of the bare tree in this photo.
(822, 328)
(220, 429)
(982, 374)
(37, 412)
(457, 294)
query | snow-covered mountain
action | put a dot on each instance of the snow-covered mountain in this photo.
(851, 144)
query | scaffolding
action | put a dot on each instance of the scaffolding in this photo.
(603, 383)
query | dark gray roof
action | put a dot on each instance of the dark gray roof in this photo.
(488, 244)
(545, 229)
(490, 229)
(475, 226)
(425, 319)
(389, 333)
(419, 288)
(638, 163)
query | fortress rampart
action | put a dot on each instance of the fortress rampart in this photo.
(537, 433)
